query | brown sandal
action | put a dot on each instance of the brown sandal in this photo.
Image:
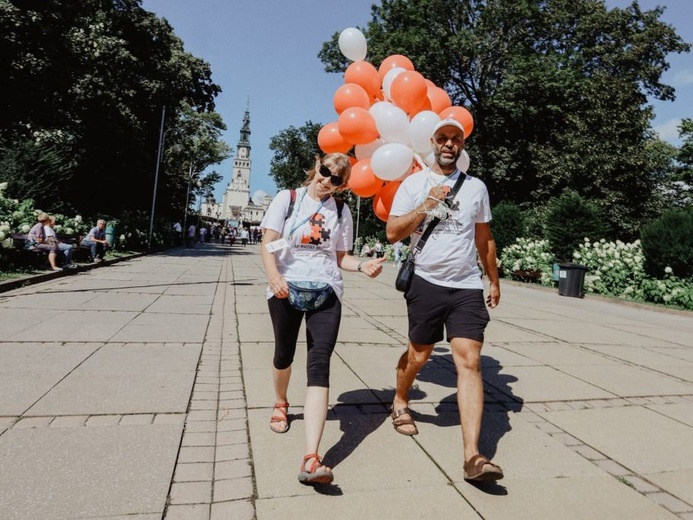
(314, 475)
(480, 469)
(398, 421)
(283, 410)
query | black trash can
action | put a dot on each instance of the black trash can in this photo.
(571, 279)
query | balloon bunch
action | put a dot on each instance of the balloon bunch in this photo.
(387, 115)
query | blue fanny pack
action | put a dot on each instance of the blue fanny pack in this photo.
(308, 296)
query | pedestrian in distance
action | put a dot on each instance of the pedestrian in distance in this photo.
(307, 234)
(446, 292)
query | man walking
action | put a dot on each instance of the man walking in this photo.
(447, 290)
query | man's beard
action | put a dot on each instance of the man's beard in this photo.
(446, 161)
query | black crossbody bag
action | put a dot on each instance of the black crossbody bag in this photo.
(406, 273)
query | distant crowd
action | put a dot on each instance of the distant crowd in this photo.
(215, 232)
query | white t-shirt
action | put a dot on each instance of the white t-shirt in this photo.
(314, 234)
(449, 256)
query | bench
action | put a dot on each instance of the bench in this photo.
(38, 257)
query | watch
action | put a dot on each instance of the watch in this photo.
(360, 265)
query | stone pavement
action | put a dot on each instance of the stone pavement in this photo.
(142, 391)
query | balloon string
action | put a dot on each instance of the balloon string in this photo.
(420, 161)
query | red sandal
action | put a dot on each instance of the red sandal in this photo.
(314, 475)
(283, 410)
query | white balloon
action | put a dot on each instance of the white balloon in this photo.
(463, 162)
(421, 129)
(389, 78)
(365, 151)
(392, 124)
(352, 43)
(391, 161)
(379, 107)
(430, 159)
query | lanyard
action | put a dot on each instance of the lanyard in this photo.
(295, 226)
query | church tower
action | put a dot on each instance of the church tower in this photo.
(237, 193)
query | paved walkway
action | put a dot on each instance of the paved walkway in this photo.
(141, 391)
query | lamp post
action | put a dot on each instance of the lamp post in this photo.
(187, 198)
(162, 136)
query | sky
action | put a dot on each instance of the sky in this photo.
(264, 55)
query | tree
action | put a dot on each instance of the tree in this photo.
(684, 157)
(90, 79)
(294, 154)
(558, 90)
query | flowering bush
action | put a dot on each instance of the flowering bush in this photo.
(613, 267)
(528, 255)
(669, 291)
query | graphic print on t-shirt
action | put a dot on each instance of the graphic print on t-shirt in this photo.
(316, 234)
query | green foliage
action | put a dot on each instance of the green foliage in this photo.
(84, 86)
(569, 220)
(530, 257)
(507, 225)
(670, 290)
(668, 242)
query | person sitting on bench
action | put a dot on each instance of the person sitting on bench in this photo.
(36, 239)
(96, 241)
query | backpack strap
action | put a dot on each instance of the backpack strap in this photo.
(291, 203)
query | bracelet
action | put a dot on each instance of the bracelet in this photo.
(358, 268)
(433, 198)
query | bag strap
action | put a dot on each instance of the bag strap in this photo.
(434, 222)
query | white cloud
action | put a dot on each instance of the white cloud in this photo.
(669, 131)
(259, 196)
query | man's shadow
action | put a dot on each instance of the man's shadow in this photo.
(499, 402)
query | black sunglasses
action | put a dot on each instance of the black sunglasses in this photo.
(336, 180)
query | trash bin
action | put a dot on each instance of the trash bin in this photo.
(555, 276)
(110, 235)
(571, 278)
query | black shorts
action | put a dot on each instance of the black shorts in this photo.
(430, 307)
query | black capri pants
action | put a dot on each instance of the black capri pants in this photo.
(322, 327)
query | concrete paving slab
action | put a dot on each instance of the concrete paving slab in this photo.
(17, 321)
(439, 502)
(594, 334)
(56, 300)
(166, 304)
(678, 483)
(494, 355)
(642, 356)
(682, 412)
(501, 332)
(543, 383)
(560, 354)
(572, 498)
(639, 439)
(154, 327)
(76, 326)
(627, 380)
(117, 302)
(29, 371)
(125, 379)
(678, 332)
(54, 474)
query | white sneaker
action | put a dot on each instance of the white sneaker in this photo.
(71, 266)
(57, 268)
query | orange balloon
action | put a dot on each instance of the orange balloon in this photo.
(331, 141)
(462, 115)
(357, 126)
(424, 105)
(350, 95)
(382, 202)
(363, 181)
(408, 90)
(439, 99)
(365, 75)
(395, 60)
(353, 160)
(430, 84)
